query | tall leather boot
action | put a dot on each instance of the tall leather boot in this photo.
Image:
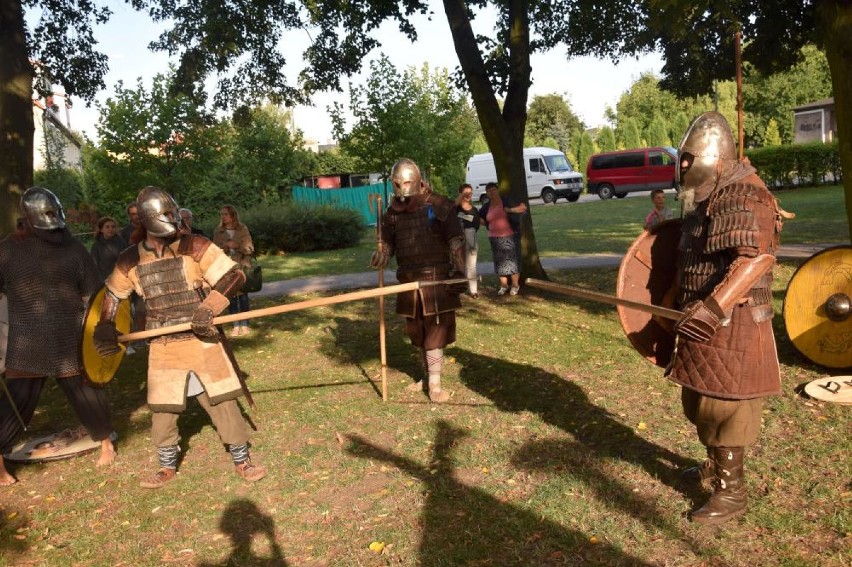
(729, 499)
(699, 473)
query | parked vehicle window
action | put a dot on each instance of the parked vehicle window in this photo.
(634, 159)
(656, 157)
(558, 163)
(537, 166)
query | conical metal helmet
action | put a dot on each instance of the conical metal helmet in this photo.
(158, 212)
(706, 146)
(406, 179)
(42, 209)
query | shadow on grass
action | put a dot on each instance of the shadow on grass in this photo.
(559, 402)
(464, 525)
(246, 526)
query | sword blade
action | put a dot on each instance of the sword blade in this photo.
(599, 297)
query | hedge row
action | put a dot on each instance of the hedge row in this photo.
(297, 228)
(797, 164)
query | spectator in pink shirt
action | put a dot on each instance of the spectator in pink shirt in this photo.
(501, 216)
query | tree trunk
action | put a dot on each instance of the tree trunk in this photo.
(16, 114)
(504, 131)
(835, 22)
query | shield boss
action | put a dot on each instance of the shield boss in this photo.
(817, 308)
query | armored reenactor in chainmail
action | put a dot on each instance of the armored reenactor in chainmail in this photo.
(420, 228)
(725, 357)
(48, 276)
(172, 273)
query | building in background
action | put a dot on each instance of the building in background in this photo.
(815, 122)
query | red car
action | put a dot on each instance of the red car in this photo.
(625, 171)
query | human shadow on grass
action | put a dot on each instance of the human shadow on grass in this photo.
(559, 402)
(465, 525)
(247, 527)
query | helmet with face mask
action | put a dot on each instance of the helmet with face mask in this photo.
(158, 212)
(709, 151)
(42, 210)
(406, 179)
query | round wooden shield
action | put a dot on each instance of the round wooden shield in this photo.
(97, 369)
(4, 331)
(816, 316)
(835, 389)
(647, 274)
(63, 445)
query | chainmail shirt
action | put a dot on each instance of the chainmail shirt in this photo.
(48, 287)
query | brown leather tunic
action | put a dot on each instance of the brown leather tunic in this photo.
(419, 234)
(740, 361)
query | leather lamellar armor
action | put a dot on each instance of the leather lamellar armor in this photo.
(732, 222)
(419, 232)
(739, 362)
(48, 286)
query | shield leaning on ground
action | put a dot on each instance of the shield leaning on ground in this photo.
(817, 313)
(97, 369)
(63, 445)
(647, 274)
(834, 389)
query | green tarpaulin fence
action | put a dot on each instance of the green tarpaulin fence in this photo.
(357, 198)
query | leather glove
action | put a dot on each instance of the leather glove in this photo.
(202, 320)
(379, 259)
(698, 323)
(105, 338)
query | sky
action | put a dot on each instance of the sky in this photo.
(588, 84)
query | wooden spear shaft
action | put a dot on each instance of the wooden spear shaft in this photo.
(298, 306)
(605, 298)
(738, 37)
(383, 349)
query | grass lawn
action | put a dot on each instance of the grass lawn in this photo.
(597, 227)
(560, 446)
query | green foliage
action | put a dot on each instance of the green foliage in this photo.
(550, 122)
(606, 139)
(628, 134)
(585, 147)
(66, 184)
(797, 164)
(773, 97)
(772, 137)
(297, 228)
(409, 114)
(657, 133)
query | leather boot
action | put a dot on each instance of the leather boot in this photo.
(159, 479)
(699, 473)
(729, 499)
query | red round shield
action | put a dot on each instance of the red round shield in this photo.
(648, 274)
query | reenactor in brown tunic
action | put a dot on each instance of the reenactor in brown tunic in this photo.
(421, 229)
(182, 279)
(725, 357)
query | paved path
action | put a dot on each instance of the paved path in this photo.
(369, 279)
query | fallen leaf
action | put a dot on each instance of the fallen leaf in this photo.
(594, 540)
(377, 546)
(642, 425)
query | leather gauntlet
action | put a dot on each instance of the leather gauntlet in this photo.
(105, 338)
(202, 320)
(698, 323)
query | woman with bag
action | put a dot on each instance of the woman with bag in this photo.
(234, 238)
(501, 216)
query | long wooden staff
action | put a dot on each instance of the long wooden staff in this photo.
(288, 307)
(383, 350)
(738, 61)
(664, 312)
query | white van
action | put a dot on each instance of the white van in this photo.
(549, 175)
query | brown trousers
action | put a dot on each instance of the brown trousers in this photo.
(226, 417)
(723, 423)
